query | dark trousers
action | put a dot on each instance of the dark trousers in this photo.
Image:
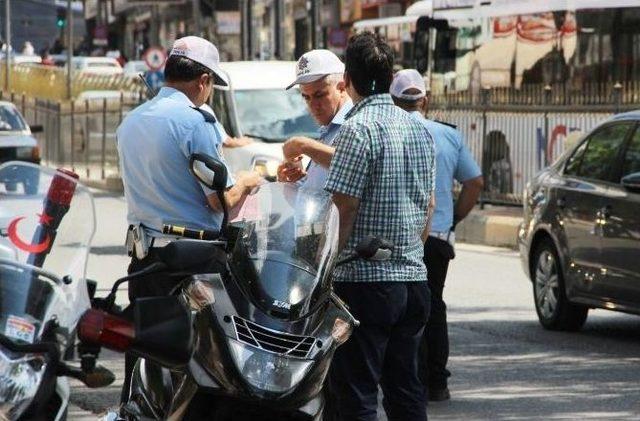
(434, 350)
(382, 350)
(157, 284)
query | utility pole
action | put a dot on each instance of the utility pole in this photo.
(69, 48)
(195, 15)
(7, 36)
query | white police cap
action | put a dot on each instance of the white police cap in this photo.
(407, 79)
(201, 51)
(316, 64)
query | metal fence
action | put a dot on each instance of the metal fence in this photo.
(50, 82)
(511, 142)
(589, 96)
(79, 135)
(514, 142)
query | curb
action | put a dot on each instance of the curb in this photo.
(112, 184)
(489, 230)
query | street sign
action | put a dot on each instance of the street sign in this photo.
(155, 58)
(155, 79)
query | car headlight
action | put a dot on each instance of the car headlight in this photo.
(28, 152)
(267, 168)
(268, 371)
(19, 381)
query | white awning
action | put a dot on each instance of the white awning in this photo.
(420, 8)
(372, 23)
(524, 7)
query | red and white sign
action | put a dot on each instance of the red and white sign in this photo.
(155, 58)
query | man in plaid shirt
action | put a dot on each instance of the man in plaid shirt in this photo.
(382, 177)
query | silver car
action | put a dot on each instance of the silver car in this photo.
(18, 144)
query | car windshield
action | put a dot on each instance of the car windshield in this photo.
(274, 114)
(10, 119)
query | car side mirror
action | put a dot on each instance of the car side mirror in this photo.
(209, 171)
(631, 182)
(36, 128)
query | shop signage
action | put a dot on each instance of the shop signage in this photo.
(228, 23)
(338, 38)
(350, 11)
(366, 4)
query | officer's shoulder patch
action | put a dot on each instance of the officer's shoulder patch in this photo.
(453, 126)
(208, 117)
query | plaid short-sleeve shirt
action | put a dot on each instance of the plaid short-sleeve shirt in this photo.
(385, 158)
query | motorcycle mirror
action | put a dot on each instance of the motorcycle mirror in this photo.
(370, 248)
(209, 171)
(213, 174)
(374, 248)
(163, 330)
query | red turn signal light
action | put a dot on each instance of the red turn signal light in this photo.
(100, 328)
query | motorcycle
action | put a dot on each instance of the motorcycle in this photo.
(45, 235)
(252, 342)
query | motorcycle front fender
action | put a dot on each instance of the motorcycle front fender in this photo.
(151, 391)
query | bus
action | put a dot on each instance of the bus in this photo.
(464, 45)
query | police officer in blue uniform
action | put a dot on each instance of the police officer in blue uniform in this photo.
(453, 162)
(155, 142)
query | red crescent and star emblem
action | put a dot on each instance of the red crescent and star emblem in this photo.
(12, 232)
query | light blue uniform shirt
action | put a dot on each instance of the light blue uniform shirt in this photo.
(316, 174)
(155, 142)
(453, 161)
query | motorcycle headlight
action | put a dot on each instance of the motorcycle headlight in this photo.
(19, 381)
(268, 371)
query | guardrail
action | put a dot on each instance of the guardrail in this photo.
(77, 134)
(49, 82)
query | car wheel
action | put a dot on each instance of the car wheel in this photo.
(555, 312)
(11, 186)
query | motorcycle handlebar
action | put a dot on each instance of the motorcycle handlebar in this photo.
(208, 235)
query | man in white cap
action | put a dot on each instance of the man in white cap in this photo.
(453, 162)
(155, 142)
(320, 76)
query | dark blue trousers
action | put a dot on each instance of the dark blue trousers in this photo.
(383, 351)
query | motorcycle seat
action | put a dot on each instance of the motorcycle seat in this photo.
(185, 254)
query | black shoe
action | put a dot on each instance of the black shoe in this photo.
(439, 395)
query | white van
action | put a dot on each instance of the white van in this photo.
(257, 105)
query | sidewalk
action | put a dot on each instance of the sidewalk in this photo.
(495, 226)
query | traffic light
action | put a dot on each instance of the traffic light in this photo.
(61, 17)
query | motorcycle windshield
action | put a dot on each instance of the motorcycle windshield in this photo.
(47, 221)
(287, 244)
